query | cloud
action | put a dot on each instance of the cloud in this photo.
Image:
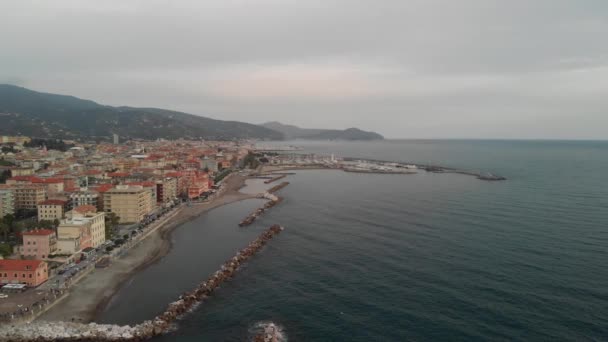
(410, 68)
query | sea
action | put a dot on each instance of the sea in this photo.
(424, 257)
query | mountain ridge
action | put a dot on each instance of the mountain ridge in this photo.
(38, 114)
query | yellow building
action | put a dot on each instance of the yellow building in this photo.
(22, 171)
(51, 209)
(19, 140)
(131, 203)
(85, 225)
(166, 190)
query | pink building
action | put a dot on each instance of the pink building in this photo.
(30, 272)
(38, 244)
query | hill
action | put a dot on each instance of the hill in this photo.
(294, 132)
(30, 113)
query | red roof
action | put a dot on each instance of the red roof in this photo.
(53, 202)
(103, 187)
(92, 172)
(19, 265)
(39, 232)
(173, 174)
(85, 208)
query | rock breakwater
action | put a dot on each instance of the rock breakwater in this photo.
(272, 180)
(273, 200)
(92, 332)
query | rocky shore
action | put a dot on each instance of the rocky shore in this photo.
(68, 331)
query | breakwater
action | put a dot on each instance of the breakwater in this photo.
(274, 179)
(69, 331)
(273, 200)
(278, 187)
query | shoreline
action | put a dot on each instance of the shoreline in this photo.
(89, 298)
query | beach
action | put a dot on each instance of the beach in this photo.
(90, 296)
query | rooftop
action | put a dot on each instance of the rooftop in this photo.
(19, 265)
(39, 232)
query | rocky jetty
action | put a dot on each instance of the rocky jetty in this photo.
(272, 180)
(278, 187)
(68, 331)
(273, 200)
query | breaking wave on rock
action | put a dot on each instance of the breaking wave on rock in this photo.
(267, 331)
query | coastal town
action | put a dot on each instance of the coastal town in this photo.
(69, 208)
(92, 213)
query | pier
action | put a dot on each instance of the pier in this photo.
(161, 324)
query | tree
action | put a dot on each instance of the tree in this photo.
(47, 224)
(5, 229)
(9, 219)
(112, 221)
(4, 175)
(5, 250)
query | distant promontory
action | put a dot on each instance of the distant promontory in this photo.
(294, 132)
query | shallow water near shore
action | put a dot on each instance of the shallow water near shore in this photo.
(406, 257)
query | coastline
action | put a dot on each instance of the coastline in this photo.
(91, 295)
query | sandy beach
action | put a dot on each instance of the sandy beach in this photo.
(93, 292)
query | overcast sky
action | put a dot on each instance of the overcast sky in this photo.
(404, 68)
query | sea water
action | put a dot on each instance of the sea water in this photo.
(422, 257)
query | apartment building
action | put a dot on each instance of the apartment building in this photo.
(27, 196)
(131, 203)
(87, 218)
(85, 197)
(166, 190)
(7, 202)
(38, 244)
(52, 209)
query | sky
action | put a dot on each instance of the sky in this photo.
(516, 69)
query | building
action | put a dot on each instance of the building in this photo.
(54, 186)
(199, 184)
(7, 202)
(30, 272)
(87, 215)
(18, 140)
(52, 209)
(38, 244)
(85, 196)
(27, 196)
(115, 139)
(22, 171)
(166, 190)
(131, 203)
(209, 164)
